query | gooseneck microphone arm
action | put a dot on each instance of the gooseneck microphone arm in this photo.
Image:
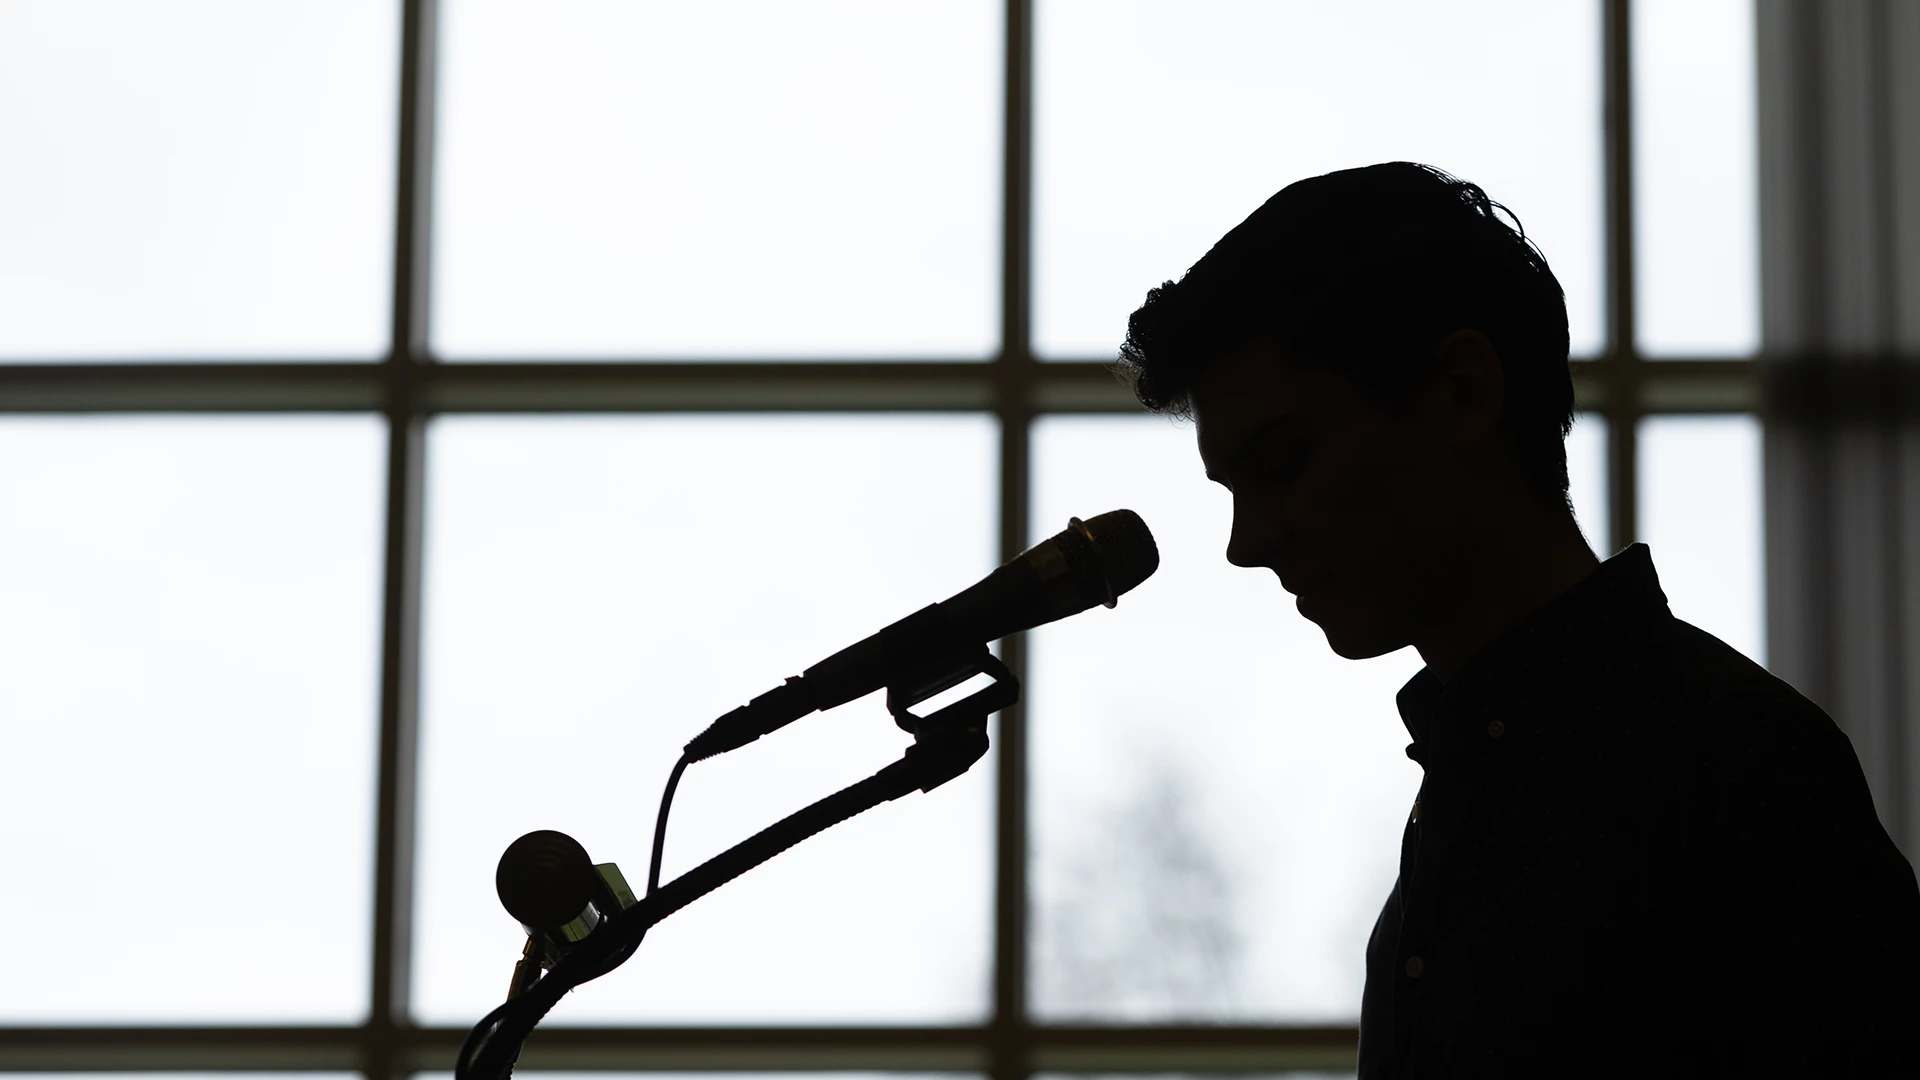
(495, 1042)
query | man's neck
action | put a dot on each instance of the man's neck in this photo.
(1518, 569)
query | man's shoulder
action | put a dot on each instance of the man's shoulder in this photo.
(1725, 697)
(1767, 763)
(1731, 740)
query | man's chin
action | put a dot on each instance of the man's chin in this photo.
(1353, 643)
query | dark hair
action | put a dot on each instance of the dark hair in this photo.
(1363, 272)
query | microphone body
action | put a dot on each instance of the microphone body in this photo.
(1087, 563)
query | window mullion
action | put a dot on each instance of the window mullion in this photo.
(384, 1050)
(1624, 367)
(1014, 377)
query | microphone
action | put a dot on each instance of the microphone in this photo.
(546, 881)
(1087, 563)
(558, 895)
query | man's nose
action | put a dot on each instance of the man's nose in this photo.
(1253, 538)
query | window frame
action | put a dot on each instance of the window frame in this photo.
(408, 386)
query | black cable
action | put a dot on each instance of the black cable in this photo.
(660, 823)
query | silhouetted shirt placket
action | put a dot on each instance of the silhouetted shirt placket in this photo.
(1429, 974)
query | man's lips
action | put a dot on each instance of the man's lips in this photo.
(1296, 584)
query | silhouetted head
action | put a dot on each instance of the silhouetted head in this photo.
(1376, 364)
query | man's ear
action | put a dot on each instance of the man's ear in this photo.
(1472, 384)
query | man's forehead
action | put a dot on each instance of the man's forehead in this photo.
(1244, 393)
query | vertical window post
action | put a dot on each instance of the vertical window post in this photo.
(384, 1050)
(1621, 403)
(1013, 378)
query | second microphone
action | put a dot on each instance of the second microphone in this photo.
(1089, 562)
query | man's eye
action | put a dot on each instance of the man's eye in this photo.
(1283, 461)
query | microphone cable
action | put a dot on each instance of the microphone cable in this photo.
(660, 823)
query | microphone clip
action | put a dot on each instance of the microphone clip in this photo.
(948, 741)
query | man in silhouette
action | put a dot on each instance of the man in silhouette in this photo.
(1634, 852)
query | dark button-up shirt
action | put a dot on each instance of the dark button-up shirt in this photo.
(1636, 853)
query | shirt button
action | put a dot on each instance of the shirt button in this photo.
(1415, 966)
(1496, 729)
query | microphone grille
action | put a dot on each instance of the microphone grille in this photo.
(545, 879)
(1127, 551)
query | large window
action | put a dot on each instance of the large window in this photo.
(420, 418)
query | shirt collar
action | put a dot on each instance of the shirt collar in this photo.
(1535, 657)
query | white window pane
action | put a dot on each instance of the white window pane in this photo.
(598, 590)
(1697, 267)
(1161, 125)
(189, 613)
(1700, 514)
(1217, 797)
(721, 179)
(202, 178)
(1587, 480)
